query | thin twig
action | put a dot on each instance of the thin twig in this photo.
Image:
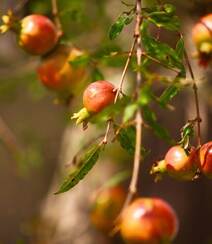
(55, 13)
(119, 89)
(158, 62)
(104, 141)
(196, 98)
(138, 119)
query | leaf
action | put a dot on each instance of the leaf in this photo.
(80, 61)
(169, 8)
(187, 132)
(110, 111)
(129, 112)
(151, 119)
(127, 138)
(180, 48)
(164, 19)
(145, 96)
(168, 94)
(97, 74)
(84, 165)
(161, 51)
(117, 27)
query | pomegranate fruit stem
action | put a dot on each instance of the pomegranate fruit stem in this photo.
(196, 98)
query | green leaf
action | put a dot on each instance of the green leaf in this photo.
(161, 51)
(168, 94)
(127, 138)
(97, 74)
(187, 132)
(80, 61)
(169, 8)
(129, 112)
(165, 20)
(151, 119)
(180, 48)
(117, 27)
(84, 165)
(110, 111)
(145, 96)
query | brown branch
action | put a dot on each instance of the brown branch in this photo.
(109, 123)
(119, 89)
(196, 98)
(55, 14)
(138, 119)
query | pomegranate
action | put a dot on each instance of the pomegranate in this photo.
(149, 221)
(206, 159)
(38, 34)
(57, 73)
(202, 37)
(178, 163)
(98, 95)
(106, 205)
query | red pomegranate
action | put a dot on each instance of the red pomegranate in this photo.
(202, 37)
(106, 205)
(178, 163)
(98, 95)
(206, 159)
(149, 221)
(57, 73)
(38, 34)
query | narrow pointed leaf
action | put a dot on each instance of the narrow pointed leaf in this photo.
(84, 165)
(117, 27)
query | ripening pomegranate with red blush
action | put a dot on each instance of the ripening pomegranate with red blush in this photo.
(57, 73)
(38, 34)
(206, 159)
(98, 95)
(178, 163)
(106, 206)
(148, 221)
(202, 37)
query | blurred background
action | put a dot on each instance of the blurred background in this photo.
(38, 139)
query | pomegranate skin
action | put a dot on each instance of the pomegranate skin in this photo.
(148, 221)
(202, 31)
(98, 95)
(38, 34)
(106, 205)
(179, 164)
(206, 159)
(56, 73)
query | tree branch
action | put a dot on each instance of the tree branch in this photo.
(55, 13)
(120, 86)
(138, 119)
(196, 98)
